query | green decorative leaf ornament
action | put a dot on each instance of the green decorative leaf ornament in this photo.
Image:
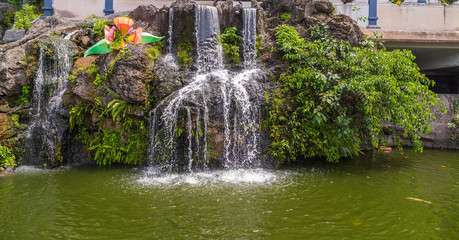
(149, 38)
(99, 48)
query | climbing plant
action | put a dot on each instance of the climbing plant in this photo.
(335, 97)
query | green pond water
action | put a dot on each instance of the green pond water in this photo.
(369, 197)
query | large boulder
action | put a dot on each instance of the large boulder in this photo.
(150, 18)
(340, 26)
(125, 72)
(82, 88)
(12, 72)
(14, 35)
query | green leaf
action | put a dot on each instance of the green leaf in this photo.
(149, 38)
(100, 47)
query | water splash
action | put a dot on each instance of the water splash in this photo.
(70, 35)
(44, 136)
(155, 177)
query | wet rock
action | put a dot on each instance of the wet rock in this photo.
(82, 88)
(126, 74)
(150, 18)
(323, 6)
(183, 25)
(229, 15)
(6, 128)
(167, 77)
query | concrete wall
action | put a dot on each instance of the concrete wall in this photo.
(418, 17)
(410, 16)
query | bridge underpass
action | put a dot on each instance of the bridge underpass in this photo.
(430, 30)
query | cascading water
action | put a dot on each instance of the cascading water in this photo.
(170, 31)
(169, 59)
(213, 117)
(44, 136)
(249, 36)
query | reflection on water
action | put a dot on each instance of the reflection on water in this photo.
(370, 197)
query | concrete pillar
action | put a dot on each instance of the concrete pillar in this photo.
(108, 7)
(47, 8)
(373, 14)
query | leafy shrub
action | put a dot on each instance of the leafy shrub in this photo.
(7, 157)
(285, 16)
(230, 41)
(125, 145)
(23, 18)
(8, 19)
(334, 97)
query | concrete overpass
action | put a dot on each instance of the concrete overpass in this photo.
(430, 30)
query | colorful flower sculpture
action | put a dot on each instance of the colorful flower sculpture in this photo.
(116, 37)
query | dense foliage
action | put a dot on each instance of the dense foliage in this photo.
(230, 41)
(335, 97)
(116, 137)
(24, 17)
(6, 157)
(113, 135)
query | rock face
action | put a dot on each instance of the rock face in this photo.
(340, 26)
(151, 19)
(14, 35)
(125, 74)
(12, 72)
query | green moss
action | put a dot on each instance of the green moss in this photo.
(182, 55)
(90, 16)
(99, 26)
(154, 52)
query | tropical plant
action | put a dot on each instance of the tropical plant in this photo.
(230, 40)
(334, 97)
(24, 17)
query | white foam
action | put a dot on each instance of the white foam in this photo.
(29, 169)
(152, 177)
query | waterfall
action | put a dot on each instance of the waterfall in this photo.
(170, 31)
(169, 59)
(208, 39)
(249, 36)
(213, 117)
(45, 133)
